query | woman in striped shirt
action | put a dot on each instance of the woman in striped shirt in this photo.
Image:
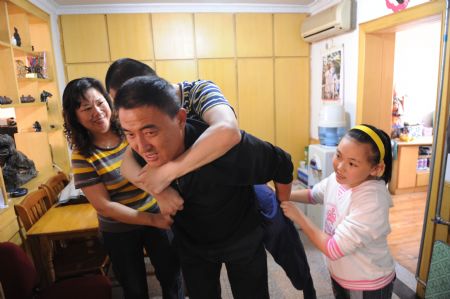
(129, 217)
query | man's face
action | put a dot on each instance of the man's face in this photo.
(157, 137)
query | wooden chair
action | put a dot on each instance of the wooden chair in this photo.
(19, 278)
(69, 258)
(32, 208)
(53, 186)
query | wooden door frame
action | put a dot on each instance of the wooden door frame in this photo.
(374, 98)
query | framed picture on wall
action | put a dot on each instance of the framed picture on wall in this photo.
(332, 75)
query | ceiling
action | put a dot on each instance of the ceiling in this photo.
(260, 2)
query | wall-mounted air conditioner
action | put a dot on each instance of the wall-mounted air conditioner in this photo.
(332, 21)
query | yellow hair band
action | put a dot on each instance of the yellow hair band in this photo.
(374, 137)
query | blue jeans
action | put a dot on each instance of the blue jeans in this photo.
(342, 293)
(126, 251)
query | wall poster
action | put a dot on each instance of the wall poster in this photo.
(332, 76)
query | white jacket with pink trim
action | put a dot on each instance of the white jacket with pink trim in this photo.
(357, 221)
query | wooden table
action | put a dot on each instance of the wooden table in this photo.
(59, 223)
(406, 178)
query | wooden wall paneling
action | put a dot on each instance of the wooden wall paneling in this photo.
(130, 35)
(94, 70)
(59, 148)
(287, 38)
(8, 83)
(292, 106)
(28, 114)
(85, 38)
(173, 36)
(18, 18)
(54, 108)
(378, 77)
(35, 146)
(214, 35)
(256, 97)
(223, 73)
(406, 169)
(8, 225)
(40, 36)
(5, 36)
(254, 35)
(372, 81)
(177, 70)
(150, 63)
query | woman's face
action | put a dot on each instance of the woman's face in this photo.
(94, 112)
(351, 162)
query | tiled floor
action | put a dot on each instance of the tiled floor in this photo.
(279, 285)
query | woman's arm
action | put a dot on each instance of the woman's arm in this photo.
(99, 198)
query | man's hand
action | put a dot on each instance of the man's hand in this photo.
(169, 201)
(157, 179)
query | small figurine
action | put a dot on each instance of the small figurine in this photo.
(17, 37)
(37, 126)
(44, 95)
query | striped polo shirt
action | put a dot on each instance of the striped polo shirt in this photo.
(103, 166)
(199, 96)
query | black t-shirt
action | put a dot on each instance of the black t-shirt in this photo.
(219, 199)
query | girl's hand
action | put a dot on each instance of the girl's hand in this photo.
(160, 220)
(291, 211)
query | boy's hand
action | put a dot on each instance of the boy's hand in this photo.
(169, 201)
(157, 179)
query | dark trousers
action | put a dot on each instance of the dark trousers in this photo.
(126, 251)
(246, 264)
(281, 239)
(342, 293)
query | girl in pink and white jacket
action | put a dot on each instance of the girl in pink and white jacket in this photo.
(356, 215)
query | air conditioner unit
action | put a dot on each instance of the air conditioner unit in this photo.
(332, 21)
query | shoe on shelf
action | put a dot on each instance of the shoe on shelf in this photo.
(5, 100)
(27, 99)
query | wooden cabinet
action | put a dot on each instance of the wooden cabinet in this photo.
(130, 35)
(85, 38)
(256, 102)
(26, 70)
(406, 177)
(173, 36)
(258, 60)
(254, 35)
(214, 35)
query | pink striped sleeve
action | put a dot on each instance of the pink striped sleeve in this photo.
(311, 198)
(333, 250)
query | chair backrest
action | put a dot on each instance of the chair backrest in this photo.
(32, 207)
(17, 273)
(53, 186)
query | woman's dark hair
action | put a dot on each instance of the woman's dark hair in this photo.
(123, 69)
(374, 159)
(78, 137)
